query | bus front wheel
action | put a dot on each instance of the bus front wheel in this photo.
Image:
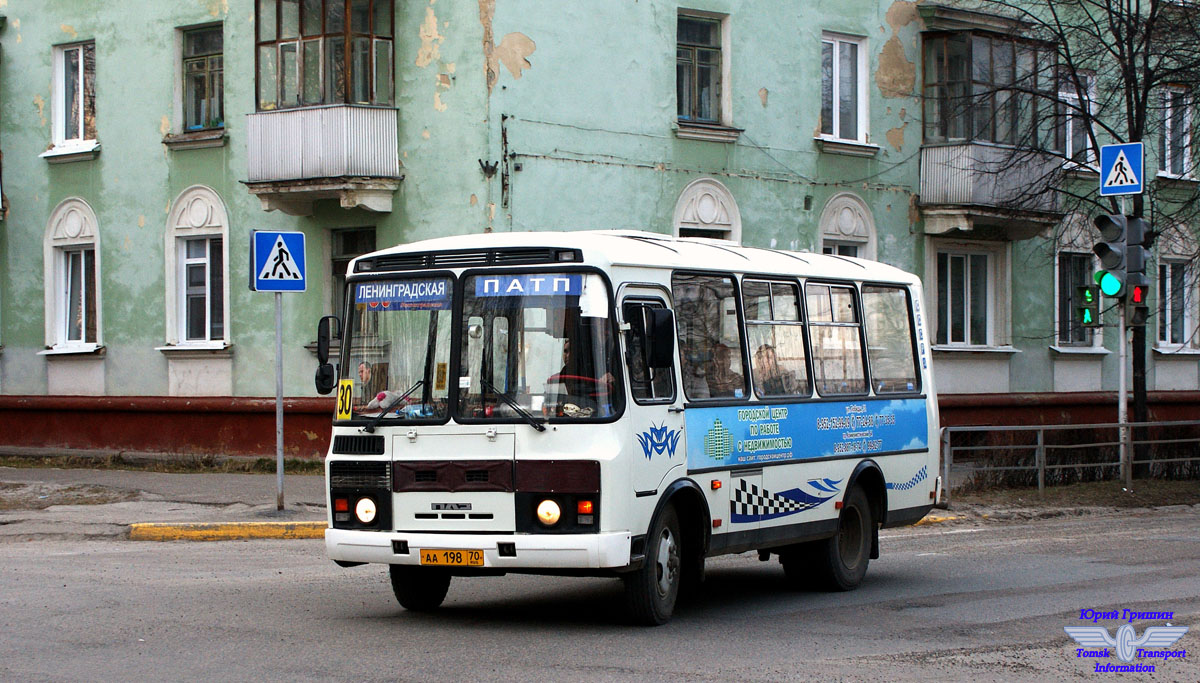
(419, 589)
(839, 562)
(651, 591)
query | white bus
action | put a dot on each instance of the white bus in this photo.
(623, 404)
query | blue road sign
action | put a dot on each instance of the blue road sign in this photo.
(1121, 169)
(278, 262)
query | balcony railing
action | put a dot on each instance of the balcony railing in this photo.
(990, 177)
(297, 156)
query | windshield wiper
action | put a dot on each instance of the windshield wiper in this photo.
(533, 421)
(370, 427)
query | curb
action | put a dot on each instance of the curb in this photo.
(231, 531)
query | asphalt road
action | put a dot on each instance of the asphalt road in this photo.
(975, 603)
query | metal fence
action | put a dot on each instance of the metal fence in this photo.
(1049, 449)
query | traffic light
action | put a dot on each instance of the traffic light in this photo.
(1111, 251)
(1087, 305)
(1137, 284)
(1137, 304)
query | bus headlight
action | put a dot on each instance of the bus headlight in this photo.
(365, 510)
(548, 512)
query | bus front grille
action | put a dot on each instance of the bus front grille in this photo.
(359, 475)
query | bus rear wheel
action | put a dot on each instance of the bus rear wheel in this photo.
(839, 562)
(419, 589)
(651, 591)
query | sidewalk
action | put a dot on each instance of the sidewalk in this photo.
(86, 503)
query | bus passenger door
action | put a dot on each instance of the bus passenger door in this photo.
(656, 412)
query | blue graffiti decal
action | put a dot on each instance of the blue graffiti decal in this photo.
(659, 440)
(750, 503)
(906, 485)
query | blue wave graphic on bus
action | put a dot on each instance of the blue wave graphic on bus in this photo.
(751, 503)
(919, 477)
(659, 440)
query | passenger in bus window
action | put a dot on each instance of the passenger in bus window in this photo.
(769, 378)
(722, 380)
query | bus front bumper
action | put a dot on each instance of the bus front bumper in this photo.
(529, 551)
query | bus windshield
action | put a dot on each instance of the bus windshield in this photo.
(400, 344)
(537, 343)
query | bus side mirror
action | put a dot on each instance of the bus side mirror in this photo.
(661, 338)
(324, 328)
(326, 378)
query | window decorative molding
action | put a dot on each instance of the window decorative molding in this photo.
(847, 220)
(706, 208)
(198, 214)
(71, 269)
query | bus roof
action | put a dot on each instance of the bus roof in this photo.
(631, 248)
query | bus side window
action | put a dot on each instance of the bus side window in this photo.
(836, 342)
(647, 385)
(710, 344)
(890, 339)
(776, 337)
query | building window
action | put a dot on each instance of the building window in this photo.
(1074, 271)
(348, 245)
(196, 268)
(77, 292)
(706, 208)
(698, 69)
(72, 276)
(201, 289)
(203, 79)
(843, 88)
(1075, 119)
(989, 88)
(313, 52)
(75, 93)
(1173, 303)
(962, 298)
(1174, 137)
(835, 249)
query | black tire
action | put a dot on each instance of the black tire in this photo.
(419, 589)
(840, 562)
(651, 591)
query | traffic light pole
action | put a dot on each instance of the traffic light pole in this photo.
(1122, 403)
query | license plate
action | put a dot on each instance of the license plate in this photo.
(452, 558)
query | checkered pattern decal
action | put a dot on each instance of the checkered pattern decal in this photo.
(751, 503)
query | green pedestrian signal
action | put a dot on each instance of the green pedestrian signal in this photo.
(1087, 305)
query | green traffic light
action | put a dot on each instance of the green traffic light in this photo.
(1110, 285)
(1087, 316)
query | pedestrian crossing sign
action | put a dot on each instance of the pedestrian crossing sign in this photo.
(277, 262)
(1121, 169)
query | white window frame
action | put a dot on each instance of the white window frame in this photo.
(72, 228)
(59, 108)
(1162, 307)
(1073, 115)
(1166, 150)
(184, 262)
(861, 99)
(197, 212)
(999, 284)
